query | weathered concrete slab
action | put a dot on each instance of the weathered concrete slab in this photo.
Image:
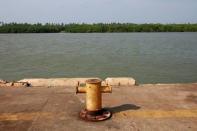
(4, 83)
(120, 81)
(54, 82)
(142, 108)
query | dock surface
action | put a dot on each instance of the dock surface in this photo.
(159, 107)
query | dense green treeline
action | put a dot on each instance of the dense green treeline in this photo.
(88, 28)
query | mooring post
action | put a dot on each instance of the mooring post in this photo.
(94, 110)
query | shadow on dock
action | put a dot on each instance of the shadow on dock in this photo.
(124, 107)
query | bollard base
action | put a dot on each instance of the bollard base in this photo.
(100, 115)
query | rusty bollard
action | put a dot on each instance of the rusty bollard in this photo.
(94, 110)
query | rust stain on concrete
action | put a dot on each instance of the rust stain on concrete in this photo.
(125, 114)
(24, 116)
(191, 98)
(159, 113)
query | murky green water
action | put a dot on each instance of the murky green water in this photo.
(148, 57)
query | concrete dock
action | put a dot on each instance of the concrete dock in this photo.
(149, 107)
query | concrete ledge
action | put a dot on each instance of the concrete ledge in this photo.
(53, 82)
(120, 81)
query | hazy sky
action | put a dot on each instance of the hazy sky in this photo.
(94, 11)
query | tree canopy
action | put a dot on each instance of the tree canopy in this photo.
(90, 28)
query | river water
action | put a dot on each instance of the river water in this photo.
(148, 57)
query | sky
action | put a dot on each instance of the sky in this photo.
(99, 11)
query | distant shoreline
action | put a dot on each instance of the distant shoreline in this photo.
(95, 28)
(88, 32)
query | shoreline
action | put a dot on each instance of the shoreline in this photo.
(72, 82)
(95, 32)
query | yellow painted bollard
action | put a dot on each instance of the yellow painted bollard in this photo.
(94, 110)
